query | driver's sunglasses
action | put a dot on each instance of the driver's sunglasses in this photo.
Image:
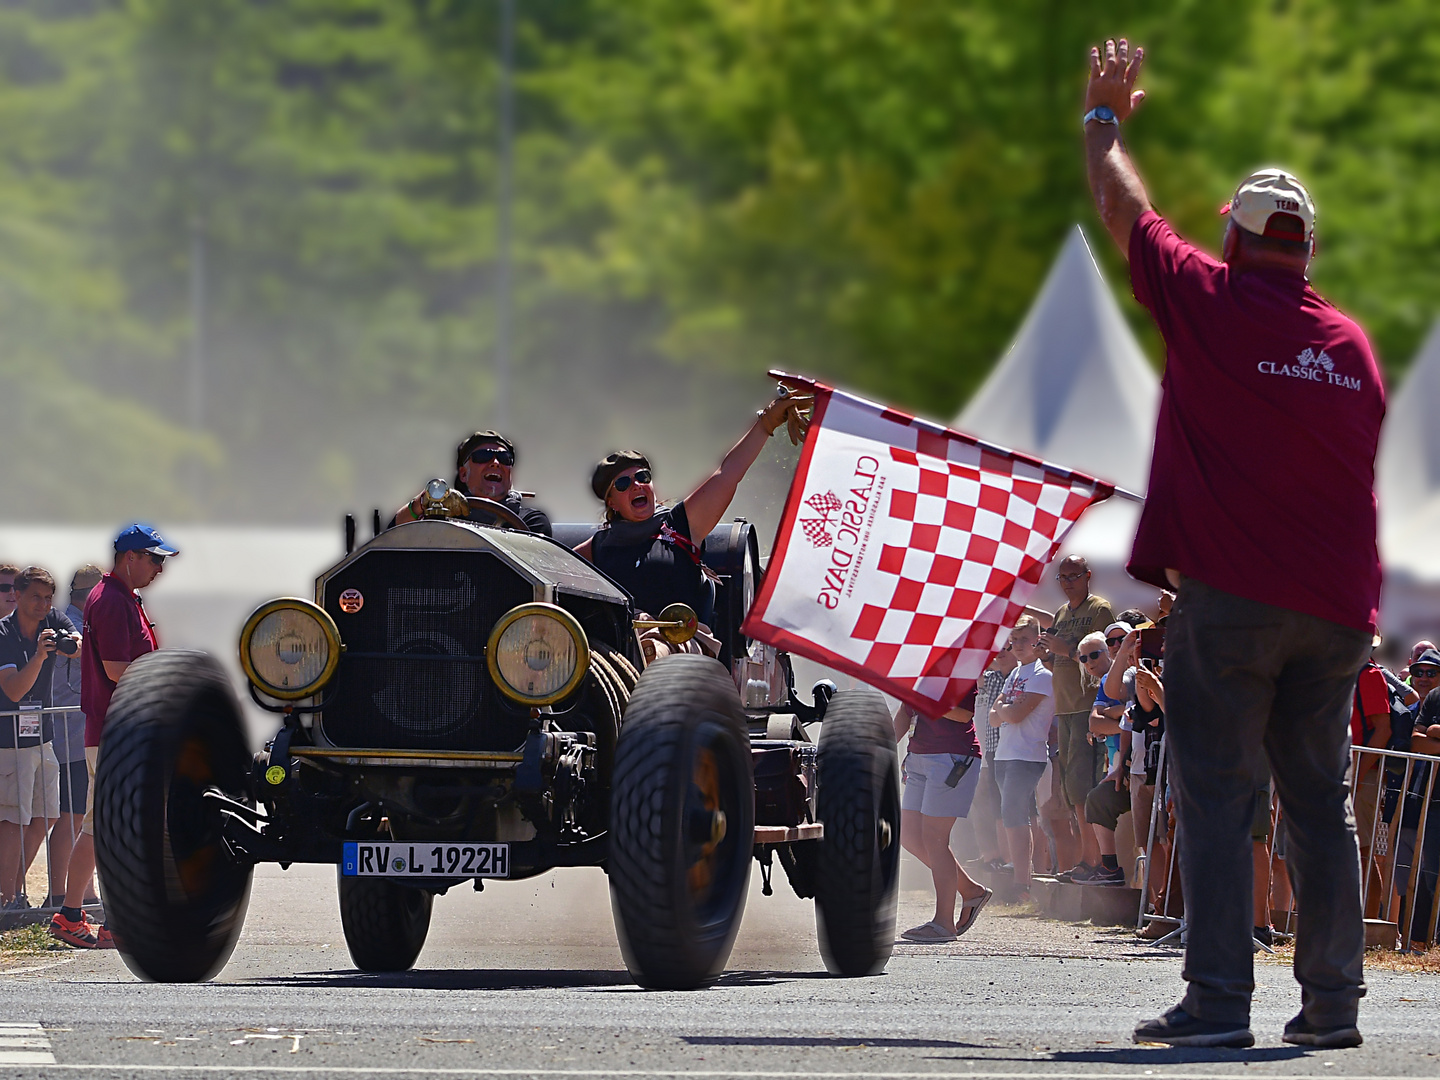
(485, 455)
(1086, 657)
(640, 477)
(1425, 671)
(1114, 642)
(6, 587)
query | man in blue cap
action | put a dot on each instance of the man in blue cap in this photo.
(117, 633)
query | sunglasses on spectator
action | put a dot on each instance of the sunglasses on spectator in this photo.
(641, 477)
(1115, 641)
(486, 454)
(1425, 671)
(5, 587)
(1071, 577)
(1085, 657)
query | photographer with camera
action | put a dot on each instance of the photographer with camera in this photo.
(30, 637)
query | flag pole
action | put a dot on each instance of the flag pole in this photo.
(785, 377)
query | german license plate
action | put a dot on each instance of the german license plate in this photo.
(392, 860)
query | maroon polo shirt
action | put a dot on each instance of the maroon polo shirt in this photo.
(942, 736)
(117, 630)
(1263, 478)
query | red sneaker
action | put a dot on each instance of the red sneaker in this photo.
(76, 933)
(103, 940)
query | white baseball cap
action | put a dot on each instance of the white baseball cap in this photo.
(1273, 202)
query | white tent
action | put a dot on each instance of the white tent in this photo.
(1408, 471)
(1076, 390)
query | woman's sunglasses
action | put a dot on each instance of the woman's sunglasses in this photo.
(1086, 657)
(1114, 642)
(640, 477)
(485, 455)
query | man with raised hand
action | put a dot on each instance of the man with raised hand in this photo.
(1263, 471)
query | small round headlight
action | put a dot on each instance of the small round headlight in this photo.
(289, 648)
(537, 654)
(437, 489)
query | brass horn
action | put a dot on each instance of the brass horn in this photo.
(677, 624)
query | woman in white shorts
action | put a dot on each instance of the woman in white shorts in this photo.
(941, 772)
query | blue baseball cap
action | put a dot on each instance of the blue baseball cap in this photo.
(142, 537)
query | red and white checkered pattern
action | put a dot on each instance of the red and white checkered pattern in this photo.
(917, 549)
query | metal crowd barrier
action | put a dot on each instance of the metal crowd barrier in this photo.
(63, 828)
(1170, 913)
(1399, 867)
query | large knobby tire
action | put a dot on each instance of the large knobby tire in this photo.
(385, 923)
(175, 899)
(678, 876)
(858, 861)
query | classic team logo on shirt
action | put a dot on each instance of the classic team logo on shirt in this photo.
(1312, 367)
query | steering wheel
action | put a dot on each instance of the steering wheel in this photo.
(502, 514)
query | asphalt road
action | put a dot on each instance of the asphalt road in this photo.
(526, 980)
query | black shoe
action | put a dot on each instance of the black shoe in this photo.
(1103, 876)
(1075, 873)
(1300, 1032)
(1264, 935)
(1179, 1028)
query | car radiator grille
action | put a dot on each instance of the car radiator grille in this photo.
(413, 672)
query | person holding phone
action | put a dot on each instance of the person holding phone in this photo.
(1081, 763)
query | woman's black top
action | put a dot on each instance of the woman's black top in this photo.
(654, 560)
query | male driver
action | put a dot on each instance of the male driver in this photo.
(29, 773)
(483, 463)
(117, 633)
(1263, 471)
(1081, 762)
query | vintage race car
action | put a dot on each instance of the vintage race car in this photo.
(466, 701)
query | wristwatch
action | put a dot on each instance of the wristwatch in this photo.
(1101, 114)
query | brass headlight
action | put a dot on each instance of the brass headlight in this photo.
(289, 648)
(537, 654)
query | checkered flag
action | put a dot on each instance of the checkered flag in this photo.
(922, 550)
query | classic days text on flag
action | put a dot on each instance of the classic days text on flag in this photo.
(907, 550)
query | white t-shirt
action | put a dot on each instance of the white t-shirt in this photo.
(1026, 741)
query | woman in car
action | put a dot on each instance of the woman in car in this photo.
(653, 551)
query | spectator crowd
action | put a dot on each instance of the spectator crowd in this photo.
(1062, 739)
(58, 669)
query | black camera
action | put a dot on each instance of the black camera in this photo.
(65, 641)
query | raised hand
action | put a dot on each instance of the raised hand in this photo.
(1113, 71)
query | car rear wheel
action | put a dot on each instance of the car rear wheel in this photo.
(858, 860)
(385, 923)
(175, 899)
(682, 823)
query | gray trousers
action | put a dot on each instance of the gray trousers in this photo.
(1245, 681)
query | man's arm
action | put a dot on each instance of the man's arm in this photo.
(1018, 710)
(18, 681)
(1115, 183)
